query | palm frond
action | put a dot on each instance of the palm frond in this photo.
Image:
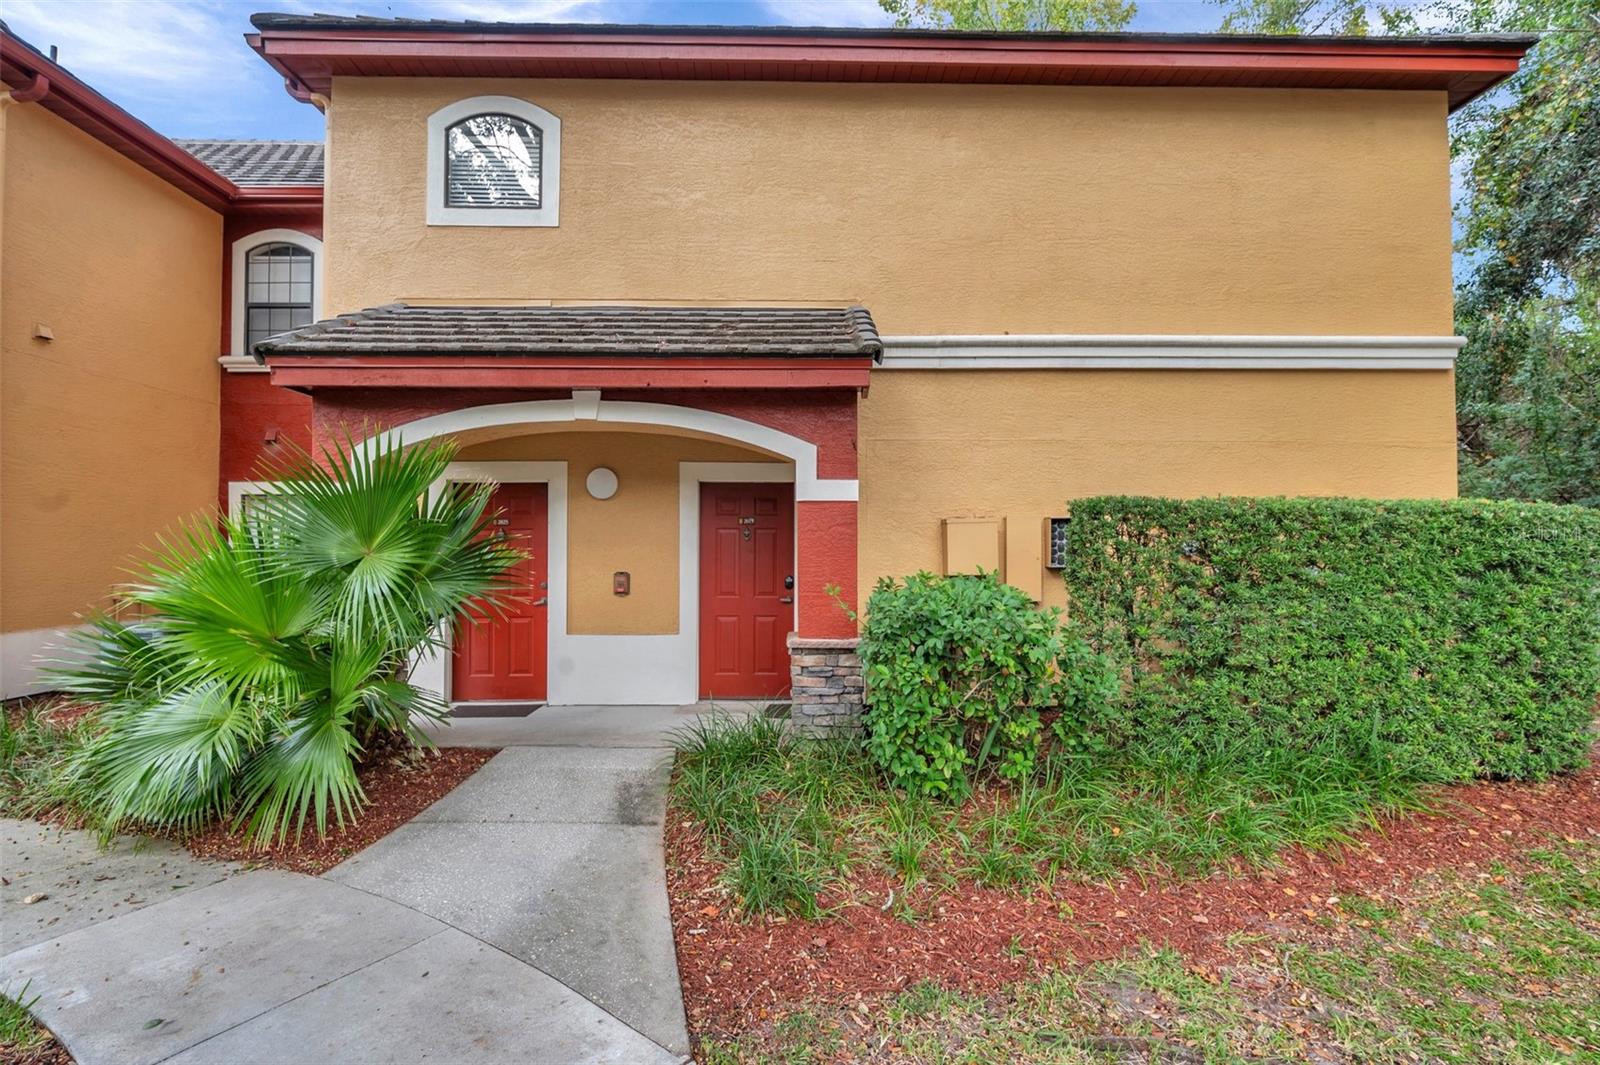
(308, 769)
(173, 762)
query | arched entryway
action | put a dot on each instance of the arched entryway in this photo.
(705, 504)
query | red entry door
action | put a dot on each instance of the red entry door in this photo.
(502, 656)
(746, 589)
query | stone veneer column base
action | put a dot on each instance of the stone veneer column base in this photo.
(827, 685)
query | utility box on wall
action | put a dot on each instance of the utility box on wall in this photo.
(971, 544)
(1009, 547)
(1024, 555)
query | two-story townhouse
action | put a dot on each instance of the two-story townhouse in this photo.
(742, 320)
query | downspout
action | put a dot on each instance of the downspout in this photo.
(37, 90)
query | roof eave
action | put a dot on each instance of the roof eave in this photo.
(74, 101)
(251, 199)
(307, 54)
(305, 372)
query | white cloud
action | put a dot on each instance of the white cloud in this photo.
(827, 12)
(512, 10)
(139, 45)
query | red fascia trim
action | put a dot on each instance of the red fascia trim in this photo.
(255, 199)
(77, 103)
(308, 56)
(305, 373)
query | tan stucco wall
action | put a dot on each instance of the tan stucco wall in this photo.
(635, 530)
(108, 433)
(981, 209)
(937, 444)
(945, 209)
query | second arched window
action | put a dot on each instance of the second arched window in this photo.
(493, 160)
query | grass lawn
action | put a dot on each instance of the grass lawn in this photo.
(22, 1040)
(1500, 965)
(1141, 907)
(794, 819)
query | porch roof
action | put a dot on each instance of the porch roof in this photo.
(401, 329)
(622, 346)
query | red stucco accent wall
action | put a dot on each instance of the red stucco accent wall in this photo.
(826, 556)
(827, 419)
(252, 409)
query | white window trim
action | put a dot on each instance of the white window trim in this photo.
(548, 211)
(241, 251)
(237, 490)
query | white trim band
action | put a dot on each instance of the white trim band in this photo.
(1169, 352)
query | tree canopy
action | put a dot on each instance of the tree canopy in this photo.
(1061, 16)
(1528, 285)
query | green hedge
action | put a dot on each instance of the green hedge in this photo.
(1461, 638)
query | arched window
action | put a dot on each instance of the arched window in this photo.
(492, 161)
(277, 290)
(269, 288)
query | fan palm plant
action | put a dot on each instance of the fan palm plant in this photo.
(276, 643)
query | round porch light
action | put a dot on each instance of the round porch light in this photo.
(601, 482)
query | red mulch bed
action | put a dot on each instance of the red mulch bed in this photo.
(735, 973)
(399, 786)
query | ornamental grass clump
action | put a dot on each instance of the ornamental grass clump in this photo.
(960, 674)
(274, 646)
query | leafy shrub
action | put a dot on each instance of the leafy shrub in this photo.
(1457, 638)
(958, 670)
(275, 646)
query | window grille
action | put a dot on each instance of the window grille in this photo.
(277, 295)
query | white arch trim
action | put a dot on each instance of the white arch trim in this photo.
(241, 250)
(548, 213)
(588, 406)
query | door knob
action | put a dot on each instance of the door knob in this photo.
(542, 602)
(785, 598)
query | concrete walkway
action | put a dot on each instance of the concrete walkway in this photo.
(521, 918)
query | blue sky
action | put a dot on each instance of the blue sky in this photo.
(183, 67)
